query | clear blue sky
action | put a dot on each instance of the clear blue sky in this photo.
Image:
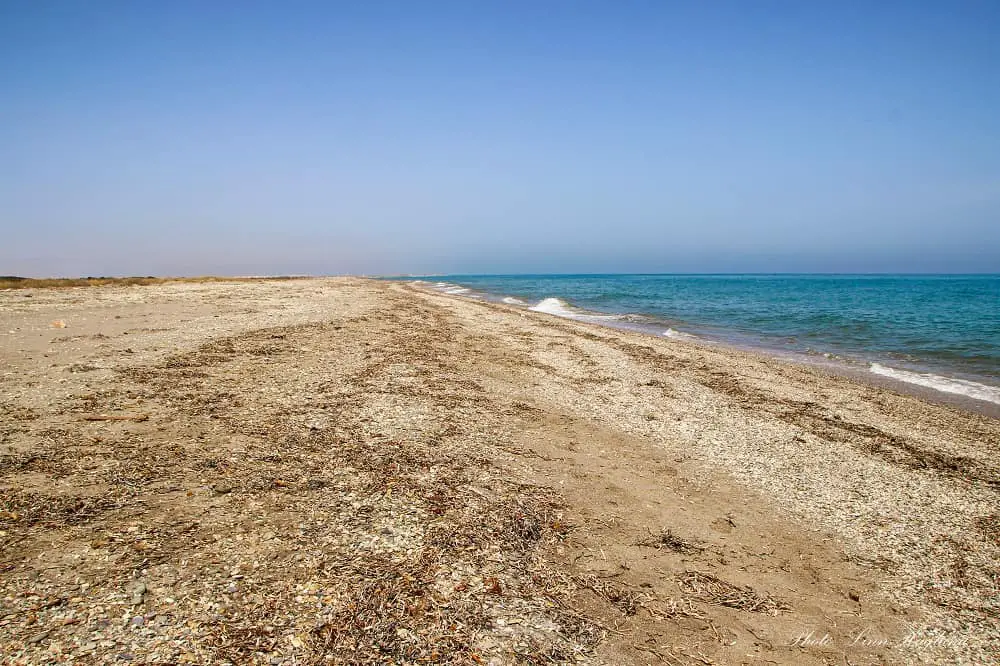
(543, 136)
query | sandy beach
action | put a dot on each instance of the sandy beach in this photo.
(343, 470)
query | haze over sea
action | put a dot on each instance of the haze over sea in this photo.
(938, 331)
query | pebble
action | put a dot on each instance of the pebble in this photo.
(138, 621)
(39, 637)
(138, 590)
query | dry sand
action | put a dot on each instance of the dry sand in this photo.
(351, 471)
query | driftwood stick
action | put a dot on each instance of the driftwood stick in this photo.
(110, 417)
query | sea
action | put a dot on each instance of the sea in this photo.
(939, 332)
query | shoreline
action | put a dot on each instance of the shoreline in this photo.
(817, 480)
(846, 369)
(278, 472)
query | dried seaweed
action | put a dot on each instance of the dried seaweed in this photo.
(667, 540)
(711, 589)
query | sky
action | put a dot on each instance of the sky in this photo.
(550, 136)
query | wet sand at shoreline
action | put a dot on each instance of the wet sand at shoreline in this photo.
(355, 471)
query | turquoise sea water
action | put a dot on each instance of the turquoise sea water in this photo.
(941, 331)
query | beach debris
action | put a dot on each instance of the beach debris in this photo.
(116, 417)
(405, 533)
(58, 323)
(711, 589)
(989, 527)
(39, 637)
(626, 600)
(666, 539)
(724, 524)
(83, 367)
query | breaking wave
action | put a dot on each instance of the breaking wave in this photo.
(938, 383)
(679, 335)
(560, 308)
(553, 306)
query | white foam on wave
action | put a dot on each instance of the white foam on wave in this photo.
(449, 288)
(938, 383)
(679, 335)
(554, 306)
(510, 300)
(560, 308)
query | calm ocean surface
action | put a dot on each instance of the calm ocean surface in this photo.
(939, 331)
